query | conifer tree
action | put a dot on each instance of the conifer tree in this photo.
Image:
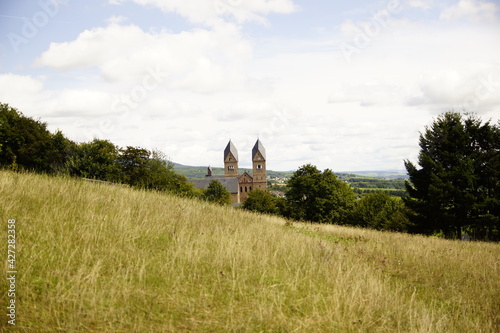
(456, 187)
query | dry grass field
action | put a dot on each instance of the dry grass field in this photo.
(99, 258)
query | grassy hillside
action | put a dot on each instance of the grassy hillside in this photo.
(99, 258)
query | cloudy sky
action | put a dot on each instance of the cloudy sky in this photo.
(345, 85)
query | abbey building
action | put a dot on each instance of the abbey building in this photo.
(239, 185)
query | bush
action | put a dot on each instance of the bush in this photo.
(261, 201)
(217, 193)
(381, 211)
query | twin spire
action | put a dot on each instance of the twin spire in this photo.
(257, 148)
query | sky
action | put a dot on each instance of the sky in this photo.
(344, 85)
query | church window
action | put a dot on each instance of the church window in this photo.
(259, 166)
(230, 168)
(250, 188)
(241, 189)
(245, 189)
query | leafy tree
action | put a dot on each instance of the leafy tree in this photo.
(457, 184)
(135, 162)
(381, 211)
(62, 151)
(217, 193)
(160, 176)
(283, 207)
(97, 159)
(25, 142)
(261, 201)
(318, 196)
(158, 172)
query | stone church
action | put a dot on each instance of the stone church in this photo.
(239, 185)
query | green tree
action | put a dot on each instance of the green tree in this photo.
(217, 193)
(25, 142)
(135, 163)
(261, 201)
(159, 175)
(62, 151)
(457, 184)
(97, 159)
(318, 196)
(381, 211)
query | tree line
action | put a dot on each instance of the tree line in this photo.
(27, 145)
(454, 188)
(320, 196)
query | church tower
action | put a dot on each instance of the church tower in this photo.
(230, 160)
(259, 166)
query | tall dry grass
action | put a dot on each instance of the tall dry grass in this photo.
(100, 258)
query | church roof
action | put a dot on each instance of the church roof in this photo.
(230, 148)
(243, 174)
(259, 147)
(230, 183)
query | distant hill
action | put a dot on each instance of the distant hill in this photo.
(201, 171)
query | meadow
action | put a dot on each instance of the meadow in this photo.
(98, 258)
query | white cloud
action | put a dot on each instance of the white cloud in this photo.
(299, 95)
(472, 89)
(82, 102)
(424, 4)
(211, 12)
(199, 60)
(91, 48)
(116, 19)
(21, 92)
(424, 64)
(475, 10)
(368, 94)
(18, 85)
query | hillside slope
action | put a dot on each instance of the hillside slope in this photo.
(99, 258)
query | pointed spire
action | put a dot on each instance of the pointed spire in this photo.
(258, 147)
(230, 148)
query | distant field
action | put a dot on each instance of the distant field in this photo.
(365, 184)
(362, 182)
(100, 258)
